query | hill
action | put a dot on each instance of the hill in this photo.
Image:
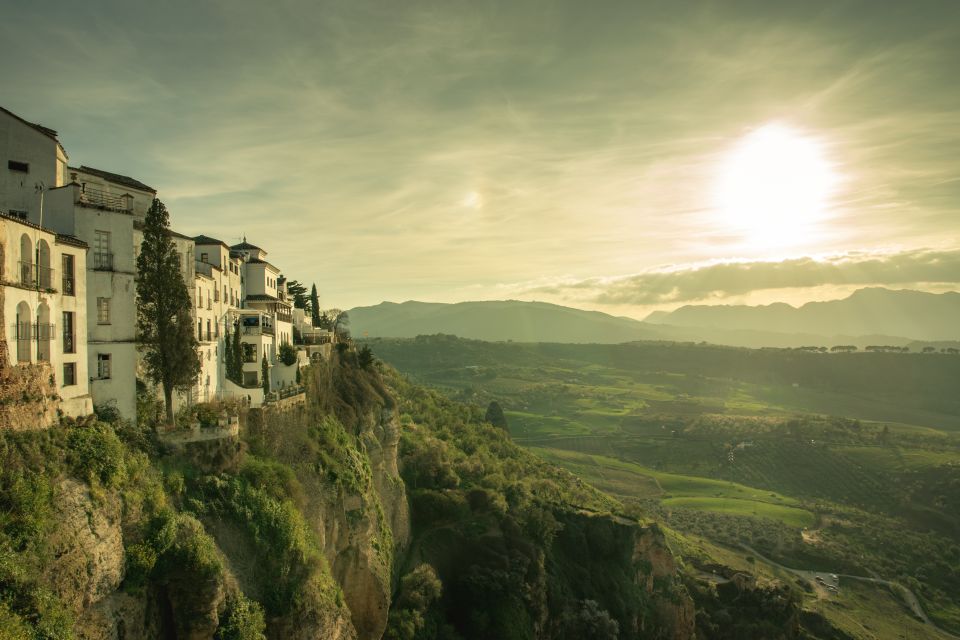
(498, 321)
(518, 321)
(917, 314)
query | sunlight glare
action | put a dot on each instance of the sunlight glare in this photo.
(774, 187)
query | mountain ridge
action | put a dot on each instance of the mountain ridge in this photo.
(851, 320)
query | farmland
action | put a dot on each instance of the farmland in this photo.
(839, 462)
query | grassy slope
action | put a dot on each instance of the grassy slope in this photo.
(639, 424)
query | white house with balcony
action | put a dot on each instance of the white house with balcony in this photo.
(45, 307)
(103, 209)
(218, 296)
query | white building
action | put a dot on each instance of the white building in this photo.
(103, 209)
(44, 307)
(31, 157)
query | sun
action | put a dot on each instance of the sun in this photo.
(774, 187)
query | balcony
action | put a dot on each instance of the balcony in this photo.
(103, 261)
(68, 285)
(35, 276)
(256, 331)
(38, 334)
(100, 199)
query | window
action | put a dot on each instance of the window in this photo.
(102, 255)
(69, 374)
(22, 167)
(209, 334)
(103, 310)
(69, 343)
(249, 352)
(68, 281)
(199, 329)
(204, 257)
(103, 366)
(19, 213)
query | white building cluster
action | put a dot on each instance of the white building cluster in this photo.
(69, 239)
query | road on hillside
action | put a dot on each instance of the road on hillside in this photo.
(908, 596)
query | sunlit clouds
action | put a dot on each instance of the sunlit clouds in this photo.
(445, 151)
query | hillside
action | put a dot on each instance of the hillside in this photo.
(379, 510)
(844, 463)
(497, 321)
(915, 314)
(518, 321)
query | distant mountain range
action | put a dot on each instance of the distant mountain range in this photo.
(913, 314)
(868, 316)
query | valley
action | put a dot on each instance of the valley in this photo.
(847, 464)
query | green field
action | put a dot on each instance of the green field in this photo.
(840, 464)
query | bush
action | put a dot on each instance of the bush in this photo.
(288, 354)
(95, 454)
(243, 620)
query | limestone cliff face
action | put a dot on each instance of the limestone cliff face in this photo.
(615, 556)
(362, 531)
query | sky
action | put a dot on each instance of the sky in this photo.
(564, 151)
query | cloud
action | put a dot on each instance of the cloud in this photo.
(722, 280)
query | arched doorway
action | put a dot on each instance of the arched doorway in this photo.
(44, 333)
(44, 272)
(26, 260)
(24, 323)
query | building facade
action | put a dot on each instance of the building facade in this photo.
(44, 307)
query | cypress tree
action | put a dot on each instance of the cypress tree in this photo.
(496, 417)
(237, 364)
(165, 333)
(227, 351)
(314, 307)
(265, 374)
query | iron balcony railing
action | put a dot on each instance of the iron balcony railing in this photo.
(256, 331)
(33, 275)
(103, 261)
(33, 333)
(100, 198)
(69, 286)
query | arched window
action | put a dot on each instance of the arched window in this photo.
(44, 272)
(24, 326)
(26, 260)
(44, 332)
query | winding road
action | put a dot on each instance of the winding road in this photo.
(908, 596)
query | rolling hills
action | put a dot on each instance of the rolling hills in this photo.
(868, 316)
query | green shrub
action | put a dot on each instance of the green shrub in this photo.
(243, 620)
(95, 454)
(288, 354)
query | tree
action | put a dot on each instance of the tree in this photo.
(314, 307)
(227, 351)
(299, 294)
(164, 322)
(237, 364)
(288, 355)
(341, 326)
(495, 416)
(265, 374)
(365, 357)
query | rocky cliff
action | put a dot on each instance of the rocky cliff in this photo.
(302, 527)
